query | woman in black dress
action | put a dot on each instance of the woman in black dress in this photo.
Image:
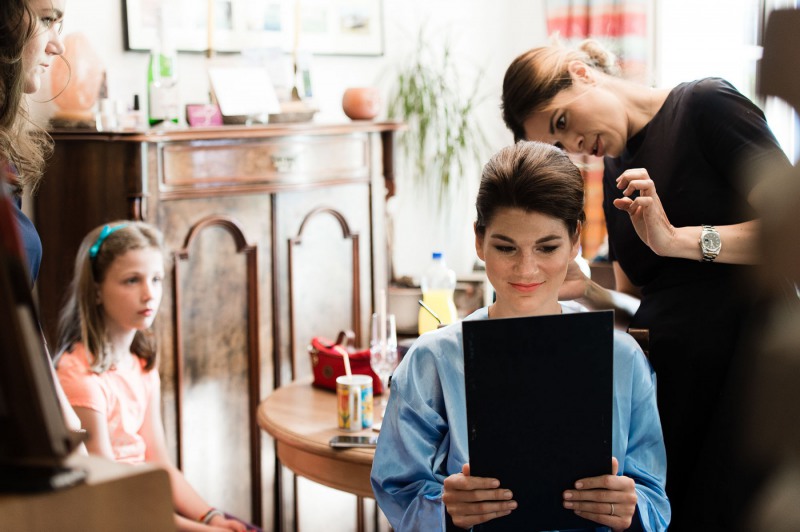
(682, 229)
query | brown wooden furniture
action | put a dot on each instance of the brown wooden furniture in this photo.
(275, 234)
(603, 274)
(642, 337)
(302, 420)
(114, 497)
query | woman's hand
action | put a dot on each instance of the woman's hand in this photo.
(608, 499)
(646, 212)
(473, 500)
(575, 283)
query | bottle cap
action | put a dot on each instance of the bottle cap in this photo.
(437, 255)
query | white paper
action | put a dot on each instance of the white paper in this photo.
(243, 91)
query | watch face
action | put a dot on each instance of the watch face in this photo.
(711, 241)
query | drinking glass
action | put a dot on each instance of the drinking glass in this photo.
(383, 351)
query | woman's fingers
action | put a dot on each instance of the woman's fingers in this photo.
(471, 507)
(461, 481)
(606, 499)
(599, 508)
(609, 500)
(629, 176)
(473, 500)
(615, 522)
(468, 521)
(480, 507)
(631, 206)
(473, 496)
(596, 488)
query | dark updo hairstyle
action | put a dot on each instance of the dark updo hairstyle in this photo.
(534, 78)
(534, 177)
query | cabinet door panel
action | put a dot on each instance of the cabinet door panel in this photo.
(318, 290)
(221, 351)
(213, 319)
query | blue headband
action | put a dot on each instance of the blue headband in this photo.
(107, 230)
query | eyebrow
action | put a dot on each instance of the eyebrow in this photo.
(139, 273)
(57, 13)
(547, 238)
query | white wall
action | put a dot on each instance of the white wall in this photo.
(700, 39)
(717, 38)
(693, 39)
(485, 35)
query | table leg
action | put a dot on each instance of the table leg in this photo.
(277, 499)
(360, 514)
(295, 504)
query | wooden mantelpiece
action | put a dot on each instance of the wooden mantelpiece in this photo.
(245, 290)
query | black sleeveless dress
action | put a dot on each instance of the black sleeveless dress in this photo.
(697, 150)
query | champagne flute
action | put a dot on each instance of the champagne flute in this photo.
(383, 351)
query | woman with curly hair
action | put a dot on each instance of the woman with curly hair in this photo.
(29, 42)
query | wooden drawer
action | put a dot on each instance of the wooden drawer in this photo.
(288, 160)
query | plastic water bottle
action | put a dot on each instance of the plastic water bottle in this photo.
(438, 285)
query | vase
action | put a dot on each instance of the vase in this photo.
(361, 103)
(76, 80)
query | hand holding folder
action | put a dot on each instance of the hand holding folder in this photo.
(539, 399)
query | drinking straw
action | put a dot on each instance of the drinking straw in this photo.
(342, 351)
(430, 311)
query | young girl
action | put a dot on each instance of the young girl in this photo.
(107, 358)
(529, 213)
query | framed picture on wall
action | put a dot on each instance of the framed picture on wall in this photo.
(341, 27)
(326, 27)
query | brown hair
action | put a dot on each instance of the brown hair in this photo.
(22, 144)
(534, 78)
(81, 319)
(535, 177)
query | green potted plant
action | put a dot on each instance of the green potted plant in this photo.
(443, 140)
(441, 152)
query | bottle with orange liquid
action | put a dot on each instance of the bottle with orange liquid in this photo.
(438, 285)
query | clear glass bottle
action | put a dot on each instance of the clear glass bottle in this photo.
(162, 79)
(438, 286)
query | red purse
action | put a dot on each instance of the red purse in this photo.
(327, 363)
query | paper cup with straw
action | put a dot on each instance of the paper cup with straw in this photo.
(353, 398)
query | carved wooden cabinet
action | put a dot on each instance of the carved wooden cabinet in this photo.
(274, 234)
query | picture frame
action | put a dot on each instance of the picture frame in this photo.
(327, 27)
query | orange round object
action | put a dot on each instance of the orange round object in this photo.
(77, 78)
(361, 103)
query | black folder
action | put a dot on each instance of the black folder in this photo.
(539, 409)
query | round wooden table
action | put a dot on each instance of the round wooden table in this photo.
(302, 419)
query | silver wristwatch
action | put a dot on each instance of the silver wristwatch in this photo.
(710, 243)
